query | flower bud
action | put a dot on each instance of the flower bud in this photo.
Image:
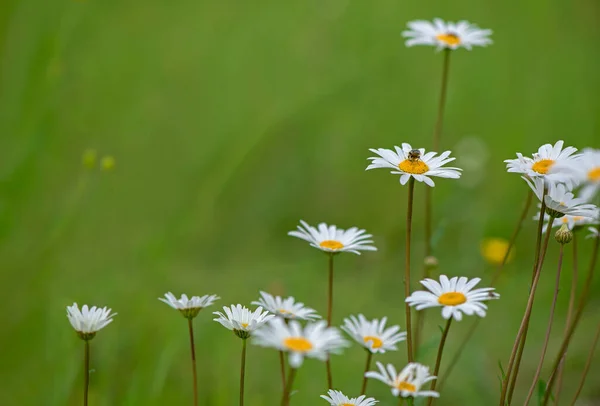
(563, 235)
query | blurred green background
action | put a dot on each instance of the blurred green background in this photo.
(229, 121)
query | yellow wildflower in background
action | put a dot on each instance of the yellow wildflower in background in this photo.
(493, 250)
(107, 163)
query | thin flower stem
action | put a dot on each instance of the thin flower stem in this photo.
(437, 133)
(586, 369)
(285, 400)
(583, 299)
(243, 371)
(513, 372)
(438, 360)
(193, 351)
(538, 371)
(367, 366)
(514, 361)
(572, 295)
(401, 401)
(495, 277)
(329, 312)
(86, 372)
(282, 366)
(409, 210)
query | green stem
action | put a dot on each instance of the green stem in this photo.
(438, 360)
(86, 372)
(588, 363)
(193, 351)
(243, 371)
(409, 211)
(329, 312)
(282, 367)
(285, 400)
(367, 366)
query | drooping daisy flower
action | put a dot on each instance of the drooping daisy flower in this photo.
(455, 295)
(408, 162)
(570, 221)
(337, 398)
(189, 308)
(542, 161)
(372, 334)
(594, 233)
(446, 35)
(584, 171)
(88, 321)
(286, 308)
(493, 250)
(560, 200)
(315, 340)
(241, 320)
(333, 240)
(406, 383)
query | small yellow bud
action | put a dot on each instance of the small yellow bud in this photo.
(107, 163)
(563, 235)
(89, 158)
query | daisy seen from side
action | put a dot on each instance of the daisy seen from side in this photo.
(337, 398)
(373, 334)
(333, 240)
(560, 200)
(408, 162)
(408, 382)
(541, 162)
(89, 320)
(189, 307)
(286, 308)
(241, 320)
(455, 295)
(446, 35)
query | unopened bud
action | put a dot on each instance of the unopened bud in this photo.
(563, 235)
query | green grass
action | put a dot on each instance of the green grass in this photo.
(230, 121)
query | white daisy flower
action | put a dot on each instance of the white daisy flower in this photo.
(455, 295)
(372, 334)
(594, 233)
(584, 170)
(408, 162)
(88, 321)
(542, 161)
(406, 383)
(570, 221)
(332, 239)
(286, 308)
(560, 200)
(315, 340)
(337, 398)
(241, 320)
(189, 307)
(446, 35)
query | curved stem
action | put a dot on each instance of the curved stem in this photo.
(409, 210)
(329, 312)
(86, 372)
(495, 277)
(367, 366)
(285, 400)
(193, 351)
(438, 361)
(572, 296)
(588, 363)
(571, 328)
(515, 358)
(243, 371)
(538, 371)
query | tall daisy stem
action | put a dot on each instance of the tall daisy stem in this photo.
(329, 312)
(514, 359)
(583, 299)
(438, 360)
(86, 372)
(401, 401)
(285, 400)
(538, 371)
(367, 367)
(586, 369)
(409, 211)
(282, 367)
(573, 293)
(497, 274)
(193, 352)
(243, 371)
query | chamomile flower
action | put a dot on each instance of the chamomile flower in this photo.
(594, 233)
(373, 335)
(286, 308)
(408, 382)
(446, 35)
(189, 307)
(408, 162)
(337, 398)
(560, 200)
(584, 171)
(455, 295)
(542, 161)
(88, 321)
(331, 239)
(570, 221)
(241, 320)
(315, 340)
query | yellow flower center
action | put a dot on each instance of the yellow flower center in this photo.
(245, 325)
(283, 311)
(413, 166)
(377, 343)
(493, 250)
(594, 174)
(452, 299)
(347, 404)
(449, 38)
(298, 344)
(575, 218)
(406, 386)
(332, 244)
(542, 166)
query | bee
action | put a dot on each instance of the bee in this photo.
(414, 155)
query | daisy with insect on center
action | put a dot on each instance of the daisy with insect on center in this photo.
(337, 398)
(446, 35)
(408, 382)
